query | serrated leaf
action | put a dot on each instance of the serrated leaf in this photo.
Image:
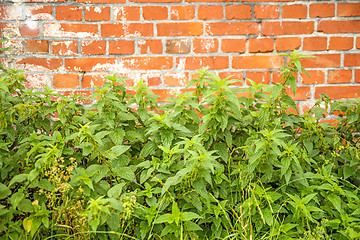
(18, 178)
(336, 201)
(126, 173)
(4, 191)
(222, 150)
(148, 149)
(116, 190)
(166, 218)
(187, 216)
(289, 101)
(119, 149)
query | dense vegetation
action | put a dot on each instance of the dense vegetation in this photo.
(206, 165)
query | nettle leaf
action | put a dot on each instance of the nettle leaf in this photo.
(166, 218)
(289, 101)
(126, 173)
(4, 191)
(116, 190)
(18, 178)
(336, 201)
(318, 111)
(222, 150)
(188, 216)
(292, 83)
(148, 149)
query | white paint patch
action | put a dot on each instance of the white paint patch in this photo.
(13, 12)
(55, 30)
(31, 24)
(67, 51)
(208, 44)
(97, 9)
(37, 80)
(119, 14)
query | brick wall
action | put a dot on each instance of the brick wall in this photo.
(71, 44)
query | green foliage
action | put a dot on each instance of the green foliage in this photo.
(207, 165)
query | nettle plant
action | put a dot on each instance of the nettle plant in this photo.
(209, 164)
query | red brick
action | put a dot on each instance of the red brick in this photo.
(164, 94)
(322, 61)
(294, 11)
(348, 9)
(257, 62)
(358, 42)
(315, 43)
(352, 60)
(39, 64)
(302, 93)
(357, 75)
(207, 12)
(258, 77)
(155, 12)
(316, 77)
(29, 29)
(150, 46)
(88, 64)
(338, 92)
(238, 12)
(93, 79)
(146, 63)
(127, 30)
(97, 13)
(233, 75)
(174, 79)
(37, 46)
(156, 1)
(75, 30)
(266, 11)
(65, 80)
(151, 79)
(10, 12)
(192, 63)
(180, 29)
(93, 47)
(121, 47)
(178, 46)
(126, 13)
(287, 28)
(71, 13)
(344, 26)
(39, 12)
(205, 45)
(233, 45)
(341, 43)
(288, 43)
(182, 12)
(64, 48)
(339, 76)
(261, 45)
(322, 10)
(232, 28)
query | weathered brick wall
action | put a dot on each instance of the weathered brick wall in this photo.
(71, 44)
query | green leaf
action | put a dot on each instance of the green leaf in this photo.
(222, 150)
(166, 218)
(45, 184)
(18, 178)
(116, 190)
(120, 149)
(25, 205)
(126, 173)
(289, 101)
(16, 198)
(4, 191)
(292, 83)
(148, 149)
(27, 224)
(349, 171)
(187, 216)
(318, 111)
(191, 226)
(336, 201)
